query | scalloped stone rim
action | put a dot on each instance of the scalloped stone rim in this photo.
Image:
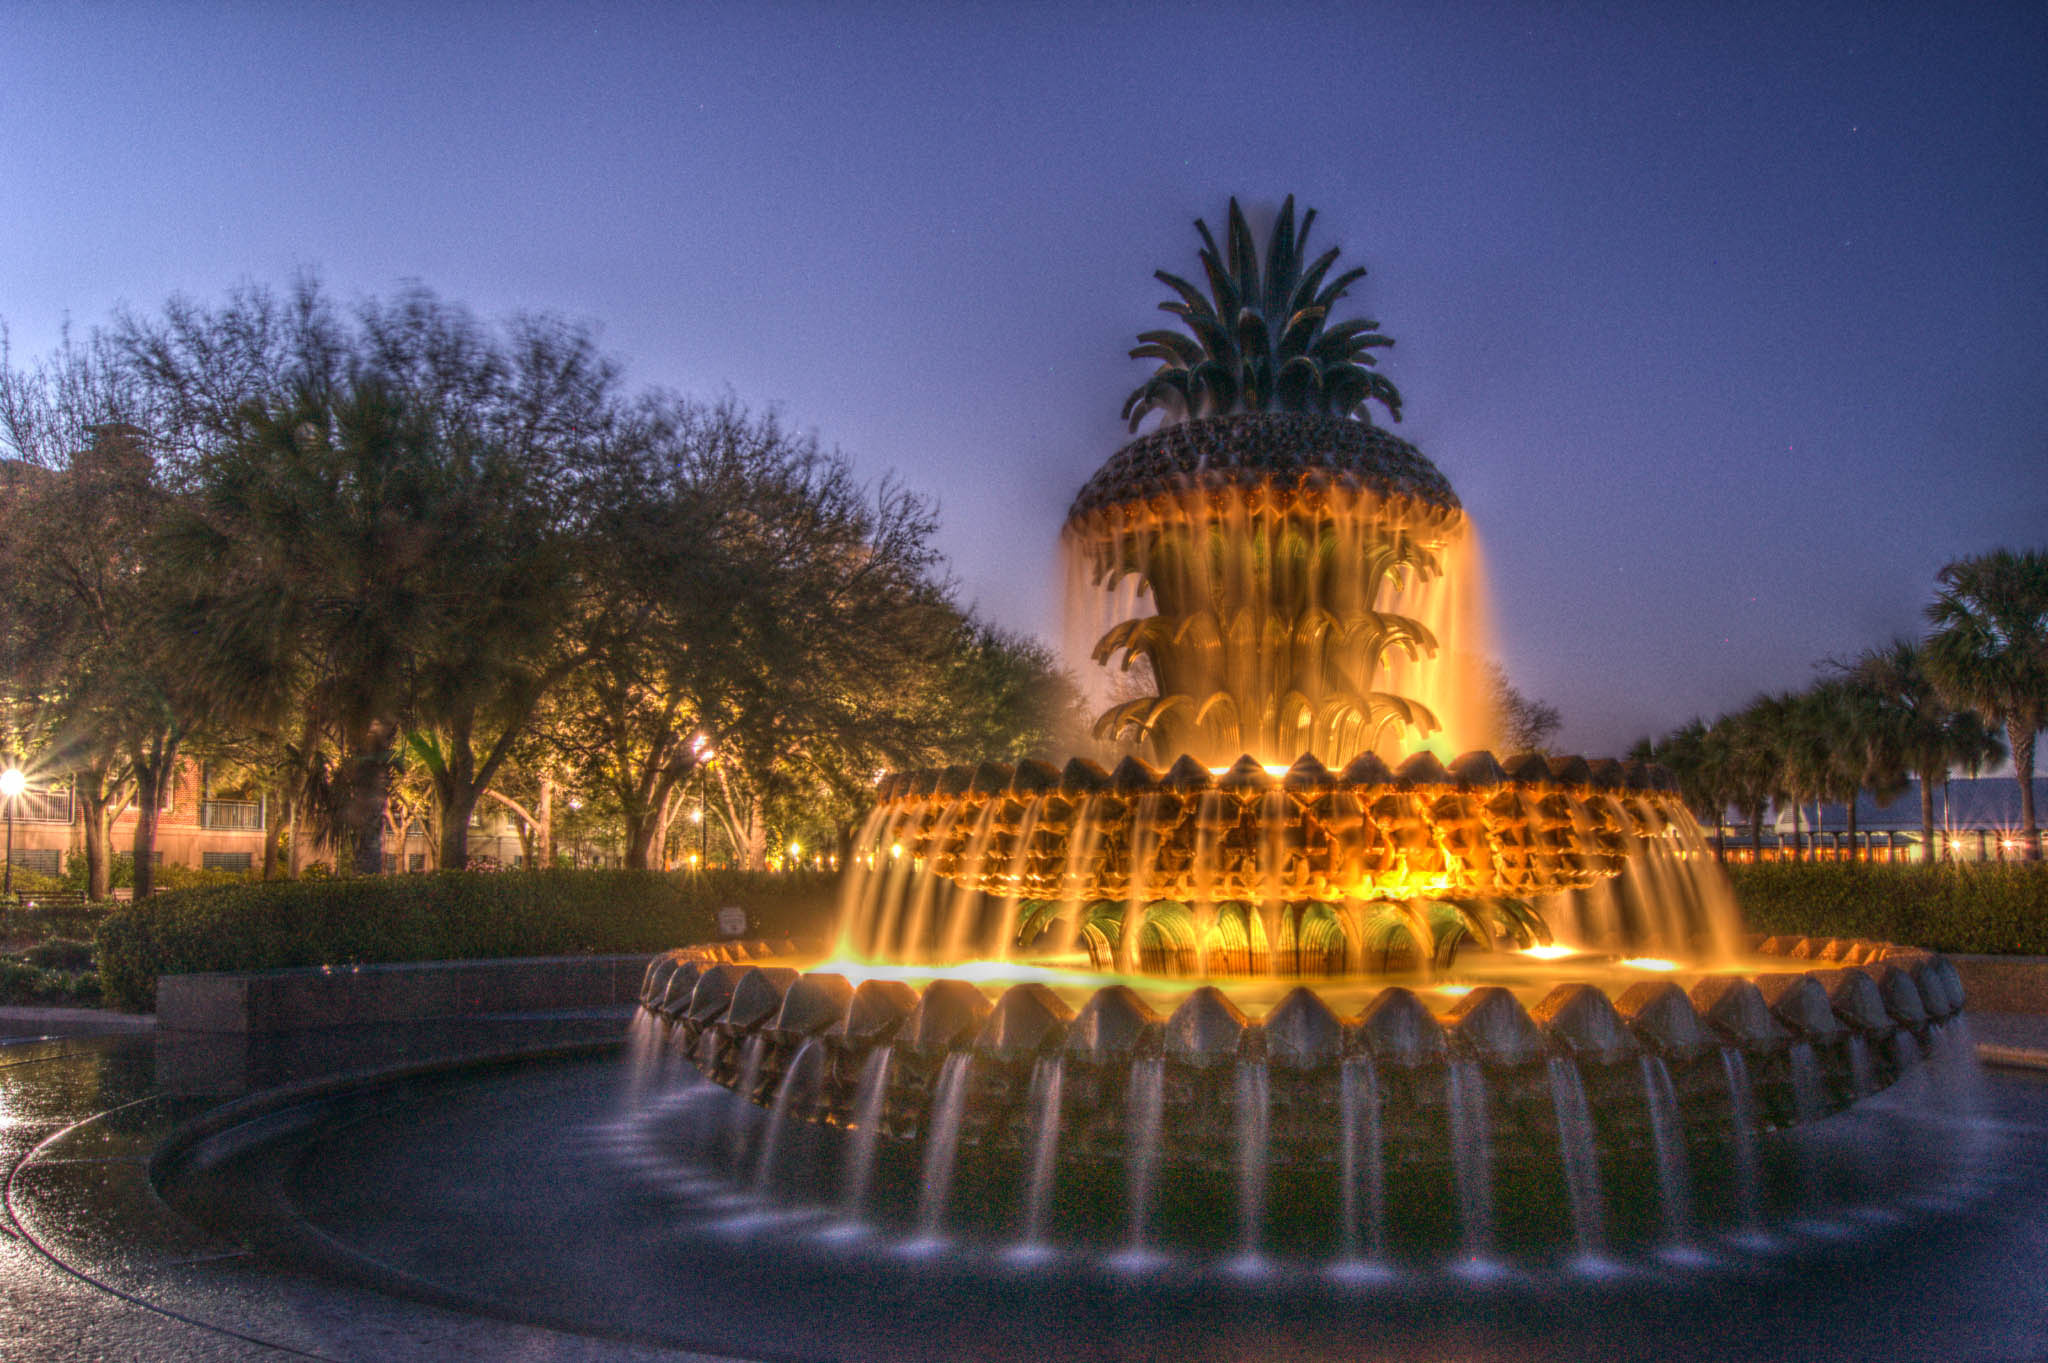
(1889, 1002)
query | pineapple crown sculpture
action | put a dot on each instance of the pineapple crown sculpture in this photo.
(1259, 340)
(1278, 535)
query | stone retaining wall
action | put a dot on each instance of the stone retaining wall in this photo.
(342, 996)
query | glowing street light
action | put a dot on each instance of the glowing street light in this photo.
(12, 782)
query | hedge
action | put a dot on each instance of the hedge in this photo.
(1996, 908)
(449, 916)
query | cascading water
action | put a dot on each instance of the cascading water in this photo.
(1296, 600)
(1809, 1102)
(942, 1147)
(1254, 1118)
(1146, 1117)
(1742, 1139)
(1472, 1157)
(1674, 1178)
(1578, 1153)
(1860, 1071)
(1361, 1161)
(803, 1076)
(744, 1115)
(868, 1099)
(646, 1057)
(1048, 1078)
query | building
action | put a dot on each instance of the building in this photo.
(194, 828)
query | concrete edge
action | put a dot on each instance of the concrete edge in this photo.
(314, 997)
(2012, 1057)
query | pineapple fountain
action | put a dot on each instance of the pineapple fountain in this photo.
(1440, 978)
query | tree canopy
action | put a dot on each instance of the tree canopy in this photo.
(392, 557)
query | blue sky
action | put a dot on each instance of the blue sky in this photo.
(1726, 321)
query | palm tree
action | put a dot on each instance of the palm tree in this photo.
(1989, 652)
(1922, 735)
(1780, 727)
(1749, 753)
(1259, 340)
(1861, 746)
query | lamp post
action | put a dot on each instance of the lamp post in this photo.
(11, 783)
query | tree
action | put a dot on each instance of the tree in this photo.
(1523, 723)
(383, 547)
(1989, 652)
(89, 632)
(1004, 697)
(751, 601)
(1850, 741)
(1924, 736)
(1752, 763)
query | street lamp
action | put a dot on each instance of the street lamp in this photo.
(11, 784)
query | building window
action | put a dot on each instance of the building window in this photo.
(44, 861)
(416, 862)
(242, 816)
(225, 861)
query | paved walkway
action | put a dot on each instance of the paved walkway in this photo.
(94, 1267)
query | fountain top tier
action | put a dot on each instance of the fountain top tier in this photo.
(1534, 826)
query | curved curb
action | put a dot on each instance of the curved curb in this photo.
(2012, 1057)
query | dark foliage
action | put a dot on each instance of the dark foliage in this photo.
(451, 916)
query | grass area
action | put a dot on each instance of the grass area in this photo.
(449, 916)
(1995, 908)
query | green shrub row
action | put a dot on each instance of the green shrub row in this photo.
(449, 916)
(24, 982)
(1970, 907)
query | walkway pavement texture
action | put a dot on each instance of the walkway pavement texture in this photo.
(93, 1265)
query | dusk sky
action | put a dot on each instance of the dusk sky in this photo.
(1727, 322)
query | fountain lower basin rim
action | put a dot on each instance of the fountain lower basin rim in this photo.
(1844, 1020)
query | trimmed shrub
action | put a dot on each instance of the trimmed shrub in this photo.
(24, 983)
(448, 916)
(1969, 906)
(60, 953)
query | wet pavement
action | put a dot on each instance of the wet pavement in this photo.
(94, 1265)
(466, 1205)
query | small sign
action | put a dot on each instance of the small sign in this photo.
(732, 921)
